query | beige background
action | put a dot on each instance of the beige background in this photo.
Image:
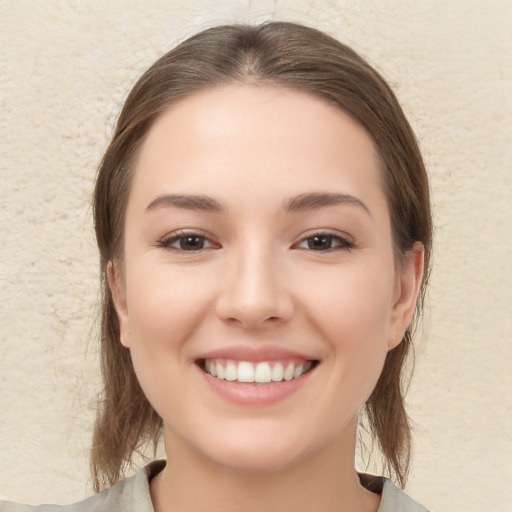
(65, 68)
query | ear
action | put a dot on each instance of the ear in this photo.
(406, 293)
(118, 291)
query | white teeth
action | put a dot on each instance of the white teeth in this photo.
(262, 372)
(245, 372)
(288, 372)
(231, 371)
(221, 374)
(277, 372)
(298, 371)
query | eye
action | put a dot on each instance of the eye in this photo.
(187, 242)
(324, 242)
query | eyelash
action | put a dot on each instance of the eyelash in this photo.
(178, 238)
(340, 243)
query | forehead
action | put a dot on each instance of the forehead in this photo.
(259, 137)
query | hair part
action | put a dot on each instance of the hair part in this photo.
(276, 54)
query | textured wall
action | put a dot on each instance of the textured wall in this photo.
(65, 68)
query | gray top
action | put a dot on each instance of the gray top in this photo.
(132, 495)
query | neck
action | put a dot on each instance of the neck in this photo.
(326, 482)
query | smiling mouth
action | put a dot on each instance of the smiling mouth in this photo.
(263, 372)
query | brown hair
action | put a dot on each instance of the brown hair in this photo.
(279, 54)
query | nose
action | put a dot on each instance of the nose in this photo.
(255, 290)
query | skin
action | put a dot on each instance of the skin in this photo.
(257, 282)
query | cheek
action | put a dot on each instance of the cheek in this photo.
(163, 302)
(353, 312)
(356, 299)
(165, 310)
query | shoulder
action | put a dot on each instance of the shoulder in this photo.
(395, 500)
(129, 495)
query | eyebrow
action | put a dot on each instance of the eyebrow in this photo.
(314, 200)
(300, 203)
(188, 202)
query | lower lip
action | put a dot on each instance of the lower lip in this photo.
(252, 393)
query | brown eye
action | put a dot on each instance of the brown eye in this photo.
(190, 242)
(324, 242)
(320, 242)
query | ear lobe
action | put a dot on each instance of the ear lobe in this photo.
(408, 287)
(117, 289)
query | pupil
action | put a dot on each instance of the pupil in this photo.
(192, 242)
(320, 242)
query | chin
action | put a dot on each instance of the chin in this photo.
(260, 449)
(256, 460)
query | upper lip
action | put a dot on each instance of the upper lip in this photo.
(253, 354)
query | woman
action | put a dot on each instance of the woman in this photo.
(263, 219)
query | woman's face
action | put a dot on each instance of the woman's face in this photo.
(259, 294)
